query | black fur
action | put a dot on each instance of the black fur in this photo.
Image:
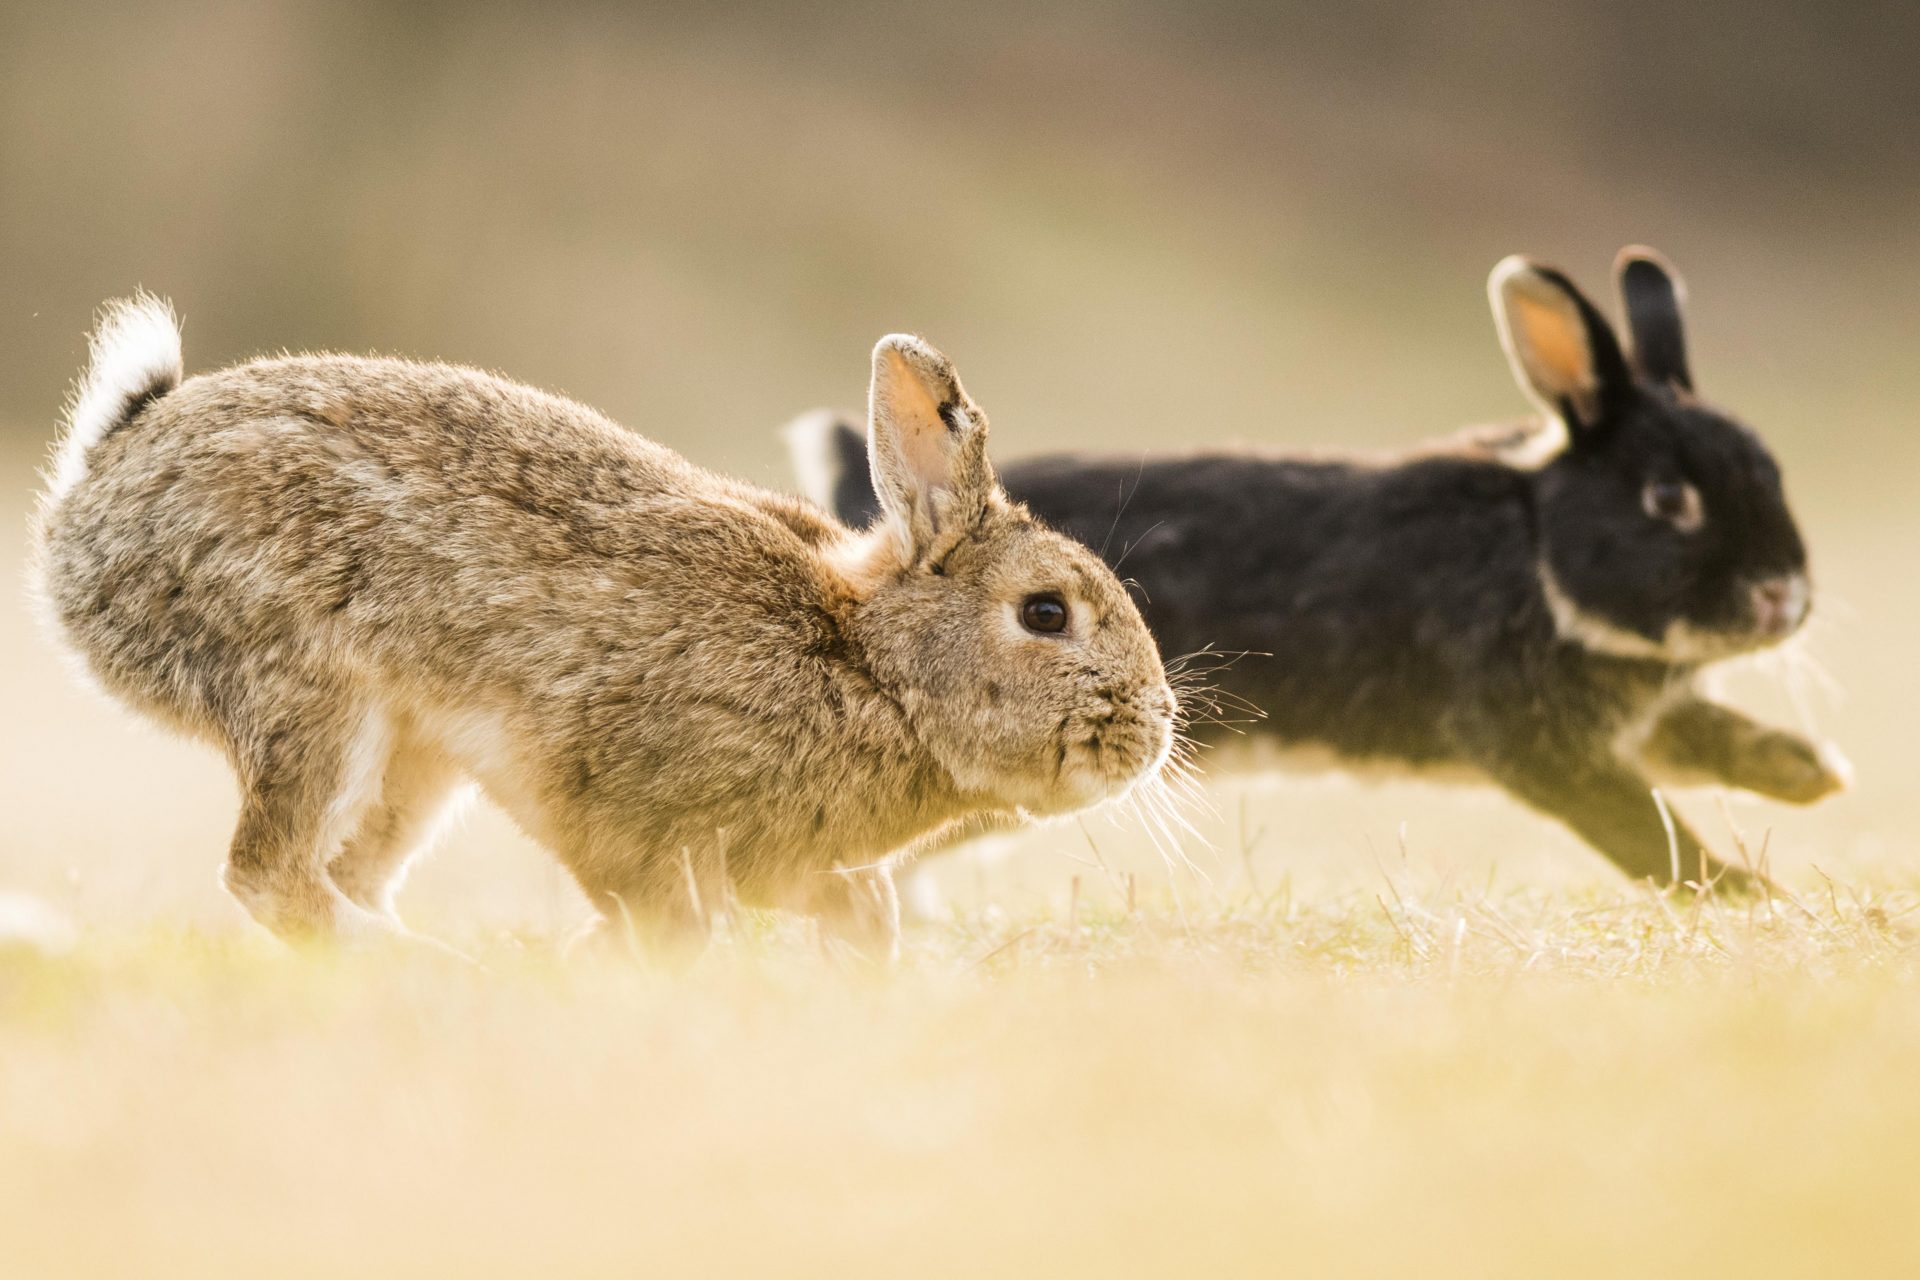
(853, 495)
(1650, 297)
(1396, 612)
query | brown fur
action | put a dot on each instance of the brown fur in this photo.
(369, 579)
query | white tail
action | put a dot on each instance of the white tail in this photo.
(829, 452)
(810, 445)
(135, 356)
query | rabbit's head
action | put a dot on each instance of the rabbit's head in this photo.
(1663, 530)
(1014, 652)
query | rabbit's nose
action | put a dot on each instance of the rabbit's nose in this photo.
(1779, 604)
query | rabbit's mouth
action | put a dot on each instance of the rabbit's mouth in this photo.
(1105, 752)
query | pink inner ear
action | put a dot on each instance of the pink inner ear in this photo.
(926, 445)
(1556, 341)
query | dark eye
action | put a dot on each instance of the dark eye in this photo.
(1045, 613)
(1675, 502)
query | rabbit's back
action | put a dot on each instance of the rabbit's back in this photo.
(1356, 605)
(423, 522)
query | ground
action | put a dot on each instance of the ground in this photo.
(1460, 1083)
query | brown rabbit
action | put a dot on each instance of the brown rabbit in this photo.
(369, 579)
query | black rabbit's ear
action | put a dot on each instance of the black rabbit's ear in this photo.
(1653, 297)
(1562, 349)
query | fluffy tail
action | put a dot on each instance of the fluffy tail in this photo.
(135, 359)
(829, 452)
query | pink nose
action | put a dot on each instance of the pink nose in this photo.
(1779, 605)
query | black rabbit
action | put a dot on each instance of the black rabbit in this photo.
(1540, 621)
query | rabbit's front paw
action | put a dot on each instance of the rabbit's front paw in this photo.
(1791, 768)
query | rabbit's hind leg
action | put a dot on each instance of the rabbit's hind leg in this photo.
(309, 767)
(417, 790)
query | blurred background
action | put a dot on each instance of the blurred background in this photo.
(1133, 226)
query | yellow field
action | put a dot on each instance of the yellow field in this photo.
(1467, 1086)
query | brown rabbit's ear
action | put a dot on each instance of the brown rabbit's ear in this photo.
(1563, 352)
(1653, 297)
(927, 444)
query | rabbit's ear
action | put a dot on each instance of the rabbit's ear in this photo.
(928, 444)
(1653, 295)
(1562, 349)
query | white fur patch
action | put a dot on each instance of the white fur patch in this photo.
(1591, 631)
(1681, 642)
(359, 781)
(1533, 450)
(134, 351)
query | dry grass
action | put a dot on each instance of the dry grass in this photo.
(1457, 1083)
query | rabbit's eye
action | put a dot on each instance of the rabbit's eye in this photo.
(1045, 613)
(1675, 502)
